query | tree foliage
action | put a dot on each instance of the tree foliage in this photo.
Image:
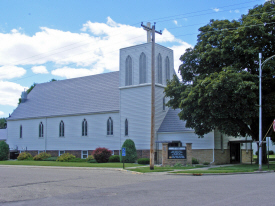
(4, 150)
(131, 152)
(3, 123)
(219, 87)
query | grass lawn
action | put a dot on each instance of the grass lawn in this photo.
(230, 169)
(163, 169)
(68, 164)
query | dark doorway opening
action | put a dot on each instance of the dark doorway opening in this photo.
(235, 150)
(13, 155)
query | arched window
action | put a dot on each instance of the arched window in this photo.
(41, 130)
(84, 127)
(142, 68)
(126, 127)
(167, 68)
(61, 129)
(159, 80)
(20, 132)
(128, 71)
(110, 126)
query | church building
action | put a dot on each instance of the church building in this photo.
(80, 114)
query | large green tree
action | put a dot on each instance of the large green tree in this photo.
(219, 87)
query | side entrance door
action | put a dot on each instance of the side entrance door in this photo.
(235, 149)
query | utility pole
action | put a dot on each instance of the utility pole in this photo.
(260, 111)
(152, 31)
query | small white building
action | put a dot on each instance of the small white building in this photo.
(78, 115)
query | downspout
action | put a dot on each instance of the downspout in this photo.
(213, 150)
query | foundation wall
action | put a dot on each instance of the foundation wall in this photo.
(246, 156)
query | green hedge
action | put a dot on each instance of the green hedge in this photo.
(114, 158)
(143, 161)
(41, 156)
(4, 150)
(131, 152)
(25, 156)
(65, 157)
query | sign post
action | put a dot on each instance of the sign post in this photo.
(123, 154)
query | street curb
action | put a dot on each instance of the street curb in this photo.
(209, 174)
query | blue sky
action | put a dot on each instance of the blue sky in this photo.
(46, 39)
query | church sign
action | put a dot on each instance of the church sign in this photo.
(177, 153)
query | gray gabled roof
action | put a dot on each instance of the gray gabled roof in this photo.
(90, 94)
(172, 122)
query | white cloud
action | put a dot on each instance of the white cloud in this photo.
(237, 11)
(10, 72)
(39, 70)
(96, 46)
(75, 72)
(178, 51)
(216, 9)
(175, 22)
(2, 113)
(10, 93)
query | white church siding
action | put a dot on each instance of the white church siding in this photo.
(30, 134)
(207, 142)
(72, 140)
(222, 141)
(134, 52)
(134, 107)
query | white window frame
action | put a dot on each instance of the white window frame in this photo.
(82, 154)
(61, 151)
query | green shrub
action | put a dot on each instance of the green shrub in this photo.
(114, 158)
(257, 152)
(92, 161)
(178, 165)
(102, 155)
(77, 160)
(4, 150)
(50, 159)
(271, 152)
(195, 161)
(143, 161)
(25, 156)
(41, 156)
(65, 157)
(206, 163)
(131, 152)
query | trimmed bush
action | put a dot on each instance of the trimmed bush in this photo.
(65, 157)
(271, 152)
(131, 152)
(195, 161)
(4, 150)
(114, 158)
(25, 156)
(77, 160)
(50, 159)
(41, 156)
(143, 161)
(102, 155)
(90, 159)
(206, 163)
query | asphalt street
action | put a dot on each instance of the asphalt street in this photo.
(23, 185)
